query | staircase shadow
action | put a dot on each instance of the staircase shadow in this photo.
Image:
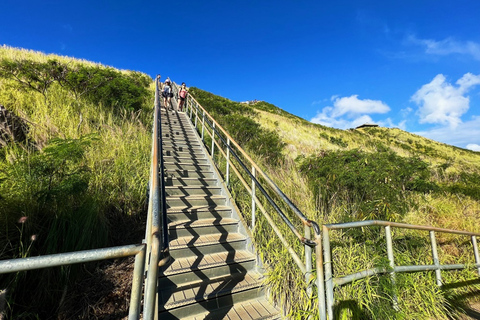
(219, 301)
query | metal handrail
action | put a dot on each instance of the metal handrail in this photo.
(194, 110)
(331, 282)
(157, 229)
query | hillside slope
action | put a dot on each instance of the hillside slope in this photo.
(370, 173)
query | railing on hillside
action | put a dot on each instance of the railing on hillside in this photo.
(230, 150)
(235, 157)
(156, 233)
(153, 252)
(331, 281)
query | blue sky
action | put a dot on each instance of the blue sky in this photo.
(408, 64)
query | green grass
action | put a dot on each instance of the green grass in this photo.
(83, 169)
(372, 173)
(84, 166)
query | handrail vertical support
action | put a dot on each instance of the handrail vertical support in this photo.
(137, 281)
(328, 273)
(203, 123)
(308, 261)
(475, 252)
(228, 163)
(196, 117)
(213, 140)
(253, 199)
(320, 278)
(436, 261)
(388, 235)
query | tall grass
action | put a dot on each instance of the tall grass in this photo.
(370, 173)
(82, 172)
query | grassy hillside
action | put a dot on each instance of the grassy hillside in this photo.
(370, 173)
(73, 176)
(77, 178)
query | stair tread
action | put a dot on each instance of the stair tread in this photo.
(188, 264)
(204, 240)
(204, 290)
(196, 196)
(201, 223)
(197, 208)
(257, 309)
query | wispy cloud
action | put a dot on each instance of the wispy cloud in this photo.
(440, 102)
(467, 135)
(446, 46)
(473, 147)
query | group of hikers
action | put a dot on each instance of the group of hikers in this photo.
(167, 94)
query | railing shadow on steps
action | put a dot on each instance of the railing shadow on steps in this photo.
(220, 143)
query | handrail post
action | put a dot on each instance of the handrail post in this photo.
(322, 312)
(475, 252)
(137, 281)
(436, 261)
(253, 199)
(213, 140)
(228, 162)
(388, 235)
(328, 273)
(203, 123)
(308, 261)
(196, 117)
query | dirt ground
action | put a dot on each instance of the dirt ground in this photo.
(104, 294)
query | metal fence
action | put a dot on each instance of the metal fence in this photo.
(331, 282)
(266, 196)
(236, 160)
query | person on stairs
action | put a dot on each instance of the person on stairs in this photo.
(167, 94)
(182, 95)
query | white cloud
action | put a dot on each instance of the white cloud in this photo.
(466, 135)
(447, 46)
(349, 112)
(442, 103)
(473, 147)
(352, 106)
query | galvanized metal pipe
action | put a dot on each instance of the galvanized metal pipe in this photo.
(322, 307)
(327, 260)
(253, 199)
(213, 141)
(137, 285)
(228, 163)
(62, 259)
(357, 224)
(308, 261)
(203, 124)
(388, 236)
(436, 261)
(475, 252)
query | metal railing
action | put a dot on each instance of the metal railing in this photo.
(149, 255)
(331, 282)
(325, 282)
(234, 161)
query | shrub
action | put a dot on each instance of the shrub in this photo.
(373, 184)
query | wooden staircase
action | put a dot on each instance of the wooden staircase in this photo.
(213, 272)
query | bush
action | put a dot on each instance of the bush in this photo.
(237, 119)
(97, 84)
(373, 185)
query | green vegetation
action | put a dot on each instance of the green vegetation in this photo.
(83, 167)
(371, 173)
(82, 170)
(239, 121)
